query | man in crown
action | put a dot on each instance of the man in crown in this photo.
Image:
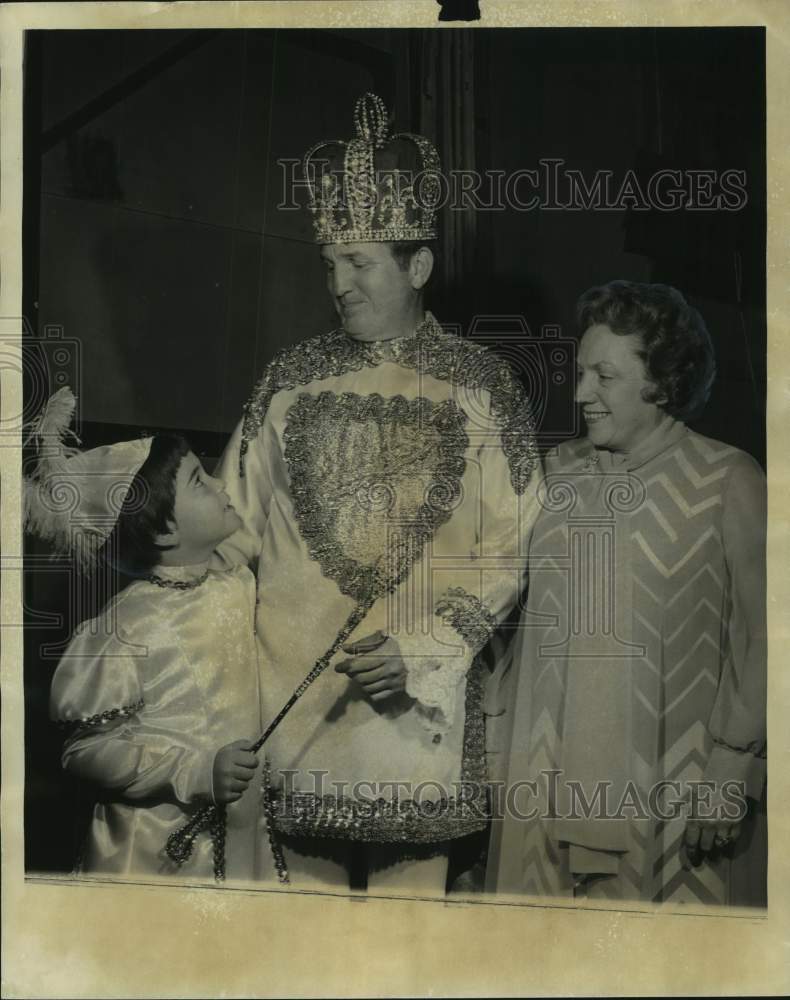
(386, 474)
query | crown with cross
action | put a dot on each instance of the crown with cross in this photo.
(375, 187)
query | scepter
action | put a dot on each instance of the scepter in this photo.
(181, 842)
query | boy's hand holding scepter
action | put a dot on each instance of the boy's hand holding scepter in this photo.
(179, 844)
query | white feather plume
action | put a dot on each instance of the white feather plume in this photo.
(46, 514)
(54, 421)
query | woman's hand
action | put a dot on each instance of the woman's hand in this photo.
(234, 767)
(703, 836)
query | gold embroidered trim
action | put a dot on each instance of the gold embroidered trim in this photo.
(320, 501)
(401, 820)
(109, 715)
(431, 351)
(467, 614)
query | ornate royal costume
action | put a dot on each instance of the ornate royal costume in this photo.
(413, 459)
(388, 483)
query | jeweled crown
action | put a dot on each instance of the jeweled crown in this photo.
(375, 187)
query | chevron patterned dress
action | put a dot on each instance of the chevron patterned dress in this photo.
(640, 660)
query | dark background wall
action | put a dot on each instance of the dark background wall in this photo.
(688, 99)
(161, 246)
(153, 237)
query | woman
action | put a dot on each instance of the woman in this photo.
(639, 667)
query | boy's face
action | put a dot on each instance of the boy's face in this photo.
(202, 511)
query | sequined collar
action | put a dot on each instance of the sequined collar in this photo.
(180, 577)
(382, 350)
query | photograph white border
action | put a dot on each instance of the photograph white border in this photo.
(88, 938)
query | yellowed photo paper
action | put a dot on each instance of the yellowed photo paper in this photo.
(394, 540)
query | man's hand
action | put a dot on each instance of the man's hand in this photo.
(234, 767)
(376, 664)
(705, 835)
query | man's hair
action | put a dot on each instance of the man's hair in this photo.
(676, 346)
(404, 250)
(148, 508)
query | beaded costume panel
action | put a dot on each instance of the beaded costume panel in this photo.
(431, 351)
(372, 478)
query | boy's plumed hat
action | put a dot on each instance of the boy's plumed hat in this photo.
(73, 498)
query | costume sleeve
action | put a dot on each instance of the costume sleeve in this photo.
(737, 722)
(473, 572)
(244, 469)
(97, 696)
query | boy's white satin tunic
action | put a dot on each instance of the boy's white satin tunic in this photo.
(149, 691)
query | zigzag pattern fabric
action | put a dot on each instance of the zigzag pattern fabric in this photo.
(631, 567)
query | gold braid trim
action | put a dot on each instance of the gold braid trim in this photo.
(467, 614)
(109, 715)
(431, 351)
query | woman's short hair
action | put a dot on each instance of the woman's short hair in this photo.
(148, 508)
(676, 346)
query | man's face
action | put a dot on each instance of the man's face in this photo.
(374, 298)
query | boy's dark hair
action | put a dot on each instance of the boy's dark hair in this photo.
(148, 508)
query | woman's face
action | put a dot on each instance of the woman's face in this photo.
(610, 380)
